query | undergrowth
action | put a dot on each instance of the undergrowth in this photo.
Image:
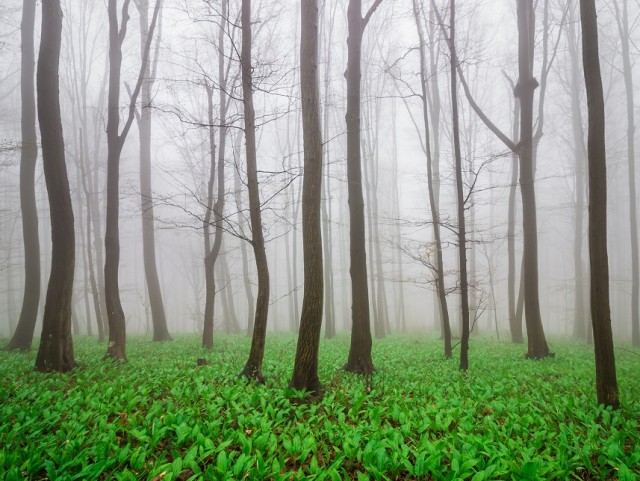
(162, 416)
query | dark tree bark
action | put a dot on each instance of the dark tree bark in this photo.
(56, 345)
(359, 360)
(253, 367)
(433, 188)
(606, 383)
(305, 368)
(462, 235)
(23, 335)
(115, 142)
(159, 319)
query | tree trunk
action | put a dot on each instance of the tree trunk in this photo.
(606, 383)
(537, 344)
(23, 335)
(432, 185)
(580, 154)
(462, 239)
(622, 19)
(359, 360)
(399, 297)
(56, 345)
(115, 142)
(243, 250)
(253, 367)
(305, 368)
(160, 330)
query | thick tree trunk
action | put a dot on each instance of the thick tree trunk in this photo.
(537, 344)
(433, 188)
(253, 367)
(159, 319)
(359, 360)
(56, 345)
(606, 382)
(305, 368)
(23, 335)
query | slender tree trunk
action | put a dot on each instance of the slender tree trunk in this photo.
(232, 317)
(431, 186)
(622, 19)
(23, 335)
(537, 344)
(243, 251)
(580, 154)
(160, 330)
(606, 382)
(515, 321)
(401, 315)
(56, 345)
(305, 368)
(253, 367)
(462, 239)
(359, 360)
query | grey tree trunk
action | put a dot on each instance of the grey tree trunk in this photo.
(23, 335)
(159, 319)
(115, 142)
(401, 315)
(55, 352)
(606, 382)
(433, 188)
(622, 19)
(305, 368)
(253, 367)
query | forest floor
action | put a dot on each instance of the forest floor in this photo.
(161, 416)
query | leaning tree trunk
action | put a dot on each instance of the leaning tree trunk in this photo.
(537, 343)
(23, 335)
(305, 368)
(433, 189)
(253, 367)
(56, 345)
(359, 360)
(606, 383)
(462, 235)
(158, 317)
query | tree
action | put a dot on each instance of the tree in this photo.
(160, 330)
(305, 368)
(606, 383)
(433, 184)
(23, 336)
(56, 345)
(253, 367)
(359, 360)
(460, 200)
(115, 142)
(622, 20)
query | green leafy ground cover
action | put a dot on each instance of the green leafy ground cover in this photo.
(160, 416)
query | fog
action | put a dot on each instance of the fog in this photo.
(399, 231)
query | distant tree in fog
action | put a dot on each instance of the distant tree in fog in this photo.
(56, 346)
